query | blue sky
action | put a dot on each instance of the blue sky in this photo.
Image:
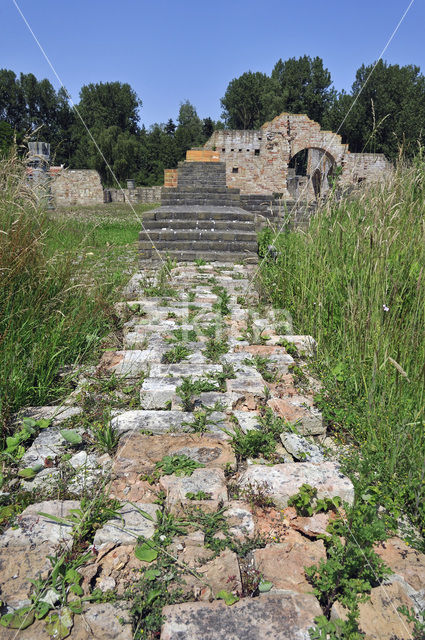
(170, 51)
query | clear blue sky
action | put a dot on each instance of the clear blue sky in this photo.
(170, 50)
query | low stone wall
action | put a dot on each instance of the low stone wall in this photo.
(278, 211)
(76, 186)
(135, 196)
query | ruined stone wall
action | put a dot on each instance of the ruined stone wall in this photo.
(135, 196)
(257, 161)
(76, 186)
(365, 166)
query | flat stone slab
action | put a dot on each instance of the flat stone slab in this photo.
(240, 520)
(379, 618)
(132, 525)
(17, 568)
(283, 563)
(140, 452)
(164, 422)
(183, 369)
(131, 364)
(273, 616)
(156, 422)
(208, 480)
(299, 411)
(285, 480)
(406, 562)
(248, 420)
(34, 529)
(301, 449)
(220, 573)
(48, 444)
(157, 393)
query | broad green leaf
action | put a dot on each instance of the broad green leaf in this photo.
(42, 609)
(152, 595)
(145, 552)
(19, 619)
(43, 423)
(59, 625)
(72, 576)
(28, 473)
(75, 588)
(76, 606)
(264, 586)
(228, 597)
(151, 574)
(29, 421)
(71, 436)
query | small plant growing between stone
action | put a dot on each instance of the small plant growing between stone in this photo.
(215, 348)
(106, 437)
(176, 354)
(201, 421)
(199, 495)
(180, 465)
(257, 494)
(351, 569)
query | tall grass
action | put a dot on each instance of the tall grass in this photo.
(47, 318)
(356, 281)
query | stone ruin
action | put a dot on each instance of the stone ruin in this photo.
(200, 217)
(292, 156)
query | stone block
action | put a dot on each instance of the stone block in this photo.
(285, 480)
(278, 616)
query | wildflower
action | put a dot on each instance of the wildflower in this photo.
(385, 308)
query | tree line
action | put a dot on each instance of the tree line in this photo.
(382, 116)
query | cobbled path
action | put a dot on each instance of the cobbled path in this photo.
(220, 432)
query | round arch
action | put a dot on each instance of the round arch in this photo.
(308, 172)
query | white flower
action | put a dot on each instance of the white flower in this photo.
(385, 308)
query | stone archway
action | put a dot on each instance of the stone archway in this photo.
(308, 171)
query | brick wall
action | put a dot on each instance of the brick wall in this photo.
(202, 155)
(257, 161)
(71, 186)
(170, 178)
(137, 195)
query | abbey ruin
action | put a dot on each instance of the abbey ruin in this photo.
(265, 161)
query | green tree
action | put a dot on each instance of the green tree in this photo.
(6, 137)
(12, 100)
(159, 151)
(305, 86)
(189, 130)
(121, 150)
(110, 104)
(387, 110)
(250, 101)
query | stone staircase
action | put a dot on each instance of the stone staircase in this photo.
(225, 553)
(200, 219)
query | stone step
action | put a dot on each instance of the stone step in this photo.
(219, 225)
(192, 235)
(202, 213)
(226, 257)
(199, 245)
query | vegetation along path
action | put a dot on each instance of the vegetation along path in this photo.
(188, 488)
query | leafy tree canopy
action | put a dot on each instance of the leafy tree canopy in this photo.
(110, 104)
(251, 100)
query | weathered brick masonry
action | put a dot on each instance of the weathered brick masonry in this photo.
(71, 186)
(257, 162)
